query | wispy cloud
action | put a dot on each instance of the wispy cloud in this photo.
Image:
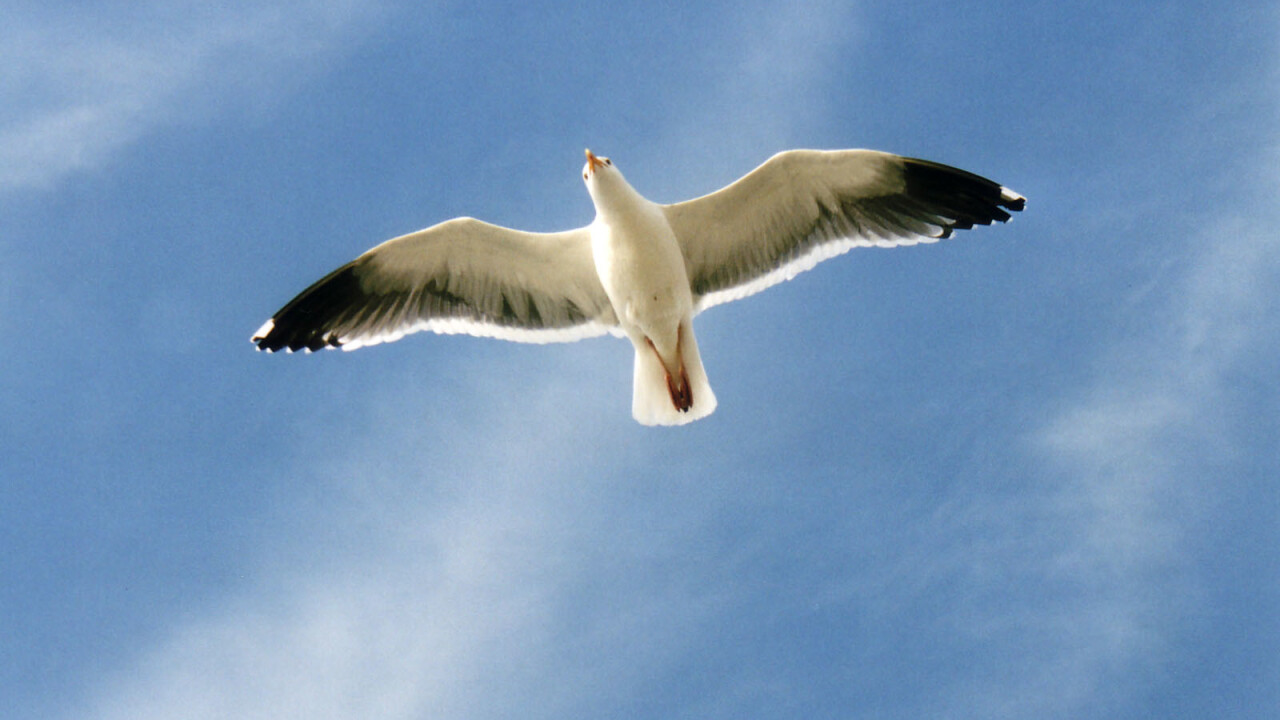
(474, 565)
(467, 572)
(82, 83)
(775, 57)
(449, 572)
(1140, 452)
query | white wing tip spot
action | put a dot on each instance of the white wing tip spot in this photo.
(1010, 196)
(263, 331)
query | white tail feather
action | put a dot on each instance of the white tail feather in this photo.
(651, 398)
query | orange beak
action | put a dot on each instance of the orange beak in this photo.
(593, 162)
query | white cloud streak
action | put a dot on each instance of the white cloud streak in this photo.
(518, 585)
(775, 58)
(449, 573)
(81, 84)
(499, 572)
(1140, 452)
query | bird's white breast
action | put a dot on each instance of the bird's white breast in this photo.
(641, 266)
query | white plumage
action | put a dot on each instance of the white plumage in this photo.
(641, 269)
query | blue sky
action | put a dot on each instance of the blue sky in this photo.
(1028, 472)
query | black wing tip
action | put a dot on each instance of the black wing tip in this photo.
(308, 322)
(275, 339)
(965, 198)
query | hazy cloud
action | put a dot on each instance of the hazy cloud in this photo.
(81, 83)
(449, 572)
(777, 59)
(1140, 450)
(472, 564)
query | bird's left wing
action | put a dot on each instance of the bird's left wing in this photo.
(804, 206)
(461, 276)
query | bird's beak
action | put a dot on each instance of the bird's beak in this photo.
(593, 162)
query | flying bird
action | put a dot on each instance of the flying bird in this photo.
(641, 269)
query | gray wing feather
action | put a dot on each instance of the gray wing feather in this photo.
(804, 206)
(461, 276)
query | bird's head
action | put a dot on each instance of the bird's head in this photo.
(595, 164)
(605, 183)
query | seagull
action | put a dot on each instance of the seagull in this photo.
(641, 270)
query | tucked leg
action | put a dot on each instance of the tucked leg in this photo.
(679, 388)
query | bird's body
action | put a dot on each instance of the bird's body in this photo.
(640, 269)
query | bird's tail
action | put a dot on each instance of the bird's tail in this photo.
(658, 396)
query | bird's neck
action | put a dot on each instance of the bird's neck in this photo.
(619, 200)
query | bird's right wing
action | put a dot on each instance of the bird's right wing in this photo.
(461, 276)
(804, 206)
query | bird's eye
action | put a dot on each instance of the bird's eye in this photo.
(607, 161)
(584, 176)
